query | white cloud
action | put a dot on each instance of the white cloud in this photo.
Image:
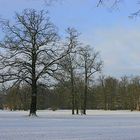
(120, 49)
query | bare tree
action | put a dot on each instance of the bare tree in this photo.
(112, 3)
(30, 51)
(90, 63)
(69, 62)
(98, 3)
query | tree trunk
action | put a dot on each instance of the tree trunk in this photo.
(73, 102)
(33, 100)
(72, 92)
(34, 86)
(85, 101)
(77, 111)
(85, 95)
(105, 101)
(77, 106)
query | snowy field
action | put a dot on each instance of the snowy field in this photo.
(61, 125)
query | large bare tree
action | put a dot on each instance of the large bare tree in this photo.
(90, 64)
(69, 62)
(30, 51)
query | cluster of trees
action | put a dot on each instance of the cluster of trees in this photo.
(123, 93)
(34, 58)
(32, 52)
(106, 93)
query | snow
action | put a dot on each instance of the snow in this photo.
(61, 125)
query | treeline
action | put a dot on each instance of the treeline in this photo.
(113, 94)
(106, 93)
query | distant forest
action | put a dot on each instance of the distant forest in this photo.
(107, 93)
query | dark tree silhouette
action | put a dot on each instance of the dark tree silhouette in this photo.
(30, 51)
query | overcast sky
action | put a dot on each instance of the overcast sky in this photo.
(116, 36)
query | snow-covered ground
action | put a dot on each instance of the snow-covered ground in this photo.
(61, 125)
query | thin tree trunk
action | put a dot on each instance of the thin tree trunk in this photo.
(77, 110)
(77, 106)
(73, 105)
(85, 95)
(72, 90)
(105, 101)
(85, 100)
(73, 97)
